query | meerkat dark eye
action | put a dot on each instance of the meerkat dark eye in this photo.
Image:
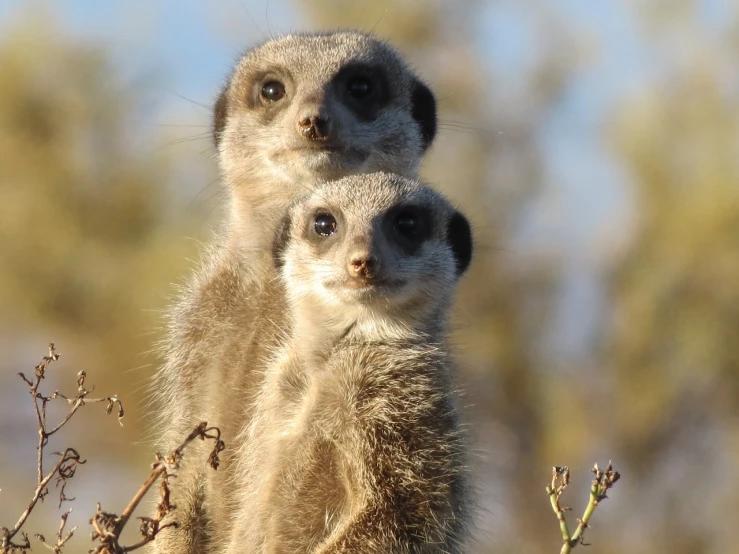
(407, 224)
(273, 91)
(412, 225)
(325, 224)
(360, 87)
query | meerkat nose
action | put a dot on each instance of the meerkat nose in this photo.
(313, 125)
(362, 265)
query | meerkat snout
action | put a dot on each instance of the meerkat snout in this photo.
(363, 265)
(314, 125)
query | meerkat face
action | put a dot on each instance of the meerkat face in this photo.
(314, 107)
(378, 242)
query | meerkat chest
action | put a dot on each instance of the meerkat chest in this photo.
(354, 386)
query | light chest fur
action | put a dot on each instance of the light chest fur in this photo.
(345, 455)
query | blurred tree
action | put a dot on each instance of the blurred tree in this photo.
(85, 251)
(74, 194)
(673, 343)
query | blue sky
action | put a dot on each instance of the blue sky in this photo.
(196, 41)
(183, 38)
(189, 46)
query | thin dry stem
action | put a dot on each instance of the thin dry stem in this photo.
(65, 467)
(108, 527)
(604, 480)
(61, 538)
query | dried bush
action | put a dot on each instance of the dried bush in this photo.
(107, 527)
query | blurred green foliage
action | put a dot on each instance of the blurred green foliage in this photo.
(673, 342)
(88, 249)
(86, 245)
(86, 255)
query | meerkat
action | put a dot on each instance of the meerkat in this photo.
(308, 108)
(355, 443)
(296, 111)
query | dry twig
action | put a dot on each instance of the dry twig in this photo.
(108, 526)
(604, 480)
(69, 459)
(61, 538)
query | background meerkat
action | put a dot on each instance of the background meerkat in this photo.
(355, 443)
(296, 111)
(307, 108)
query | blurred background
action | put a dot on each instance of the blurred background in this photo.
(595, 145)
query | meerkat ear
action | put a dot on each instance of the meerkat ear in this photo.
(423, 111)
(459, 235)
(220, 111)
(282, 238)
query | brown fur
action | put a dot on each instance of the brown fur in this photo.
(230, 317)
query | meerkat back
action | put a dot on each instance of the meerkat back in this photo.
(296, 111)
(355, 444)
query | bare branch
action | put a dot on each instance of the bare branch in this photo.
(65, 467)
(61, 538)
(108, 527)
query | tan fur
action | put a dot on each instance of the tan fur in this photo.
(355, 444)
(230, 317)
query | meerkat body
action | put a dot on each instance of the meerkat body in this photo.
(355, 445)
(297, 110)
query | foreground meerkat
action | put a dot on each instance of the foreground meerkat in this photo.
(296, 111)
(355, 445)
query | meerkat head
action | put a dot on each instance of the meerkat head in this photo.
(373, 245)
(313, 107)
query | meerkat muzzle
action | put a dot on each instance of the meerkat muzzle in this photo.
(362, 265)
(314, 127)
